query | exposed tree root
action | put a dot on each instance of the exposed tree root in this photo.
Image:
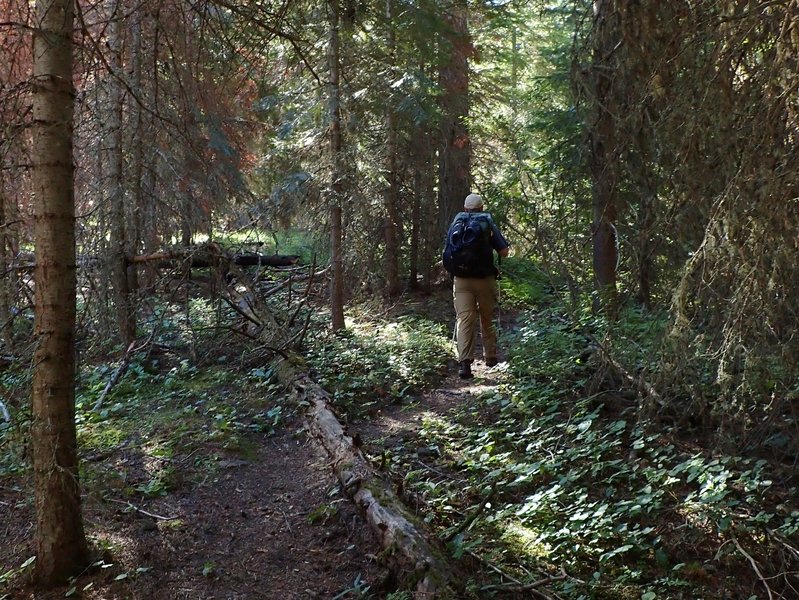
(405, 551)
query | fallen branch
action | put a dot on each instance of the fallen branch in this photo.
(754, 566)
(438, 472)
(638, 383)
(404, 548)
(142, 511)
(283, 284)
(123, 366)
(517, 586)
(4, 412)
(261, 311)
(782, 541)
(531, 587)
(464, 525)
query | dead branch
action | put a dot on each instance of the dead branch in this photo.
(464, 525)
(638, 383)
(247, 315)
(516, 586)
(211, 255)
(272, 331)
(142, 511)
(123, 366)
(282, 285)
(754, 566)
(4, 412)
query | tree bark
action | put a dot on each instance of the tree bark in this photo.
(8, 278)
(337, 187)
(604, 156)
(391, 195)
(432, 234)
(423, 218)
(413, 250)
(136, 126)
(456, 146)
(61, 548)
(126, 323)
(645, 247)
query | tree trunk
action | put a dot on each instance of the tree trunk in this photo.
(61, 548)
(8, 279)
(337, 187)
(146, 25)
(423, 212)
(413, 251)
(186, 220)
(645, 247)
(392, 188)
(455, 149)
(604, 168)
(126, 323)
(432, 234)
(136, 185)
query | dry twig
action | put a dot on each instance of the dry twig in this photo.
(517, 586)
(142, 511)
(754, 566)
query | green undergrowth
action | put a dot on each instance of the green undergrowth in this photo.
(560, 478)
(158, 418)
(376, 362)
(523, 283)
(166, 426)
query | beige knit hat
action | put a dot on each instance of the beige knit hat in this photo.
(473, 201)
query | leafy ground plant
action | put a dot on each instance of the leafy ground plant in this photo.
(379, 362)
(558, 482)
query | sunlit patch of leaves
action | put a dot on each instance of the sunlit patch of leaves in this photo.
(161, 417)
(374, 363)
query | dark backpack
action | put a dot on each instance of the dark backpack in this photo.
(467, 251)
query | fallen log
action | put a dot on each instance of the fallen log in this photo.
(203, 258)
(413, 560)
(268, 260)
(200, 258)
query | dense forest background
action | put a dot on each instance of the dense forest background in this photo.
(640, 157)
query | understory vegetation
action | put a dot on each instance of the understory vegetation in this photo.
(555, 474)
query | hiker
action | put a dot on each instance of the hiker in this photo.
(469, 257)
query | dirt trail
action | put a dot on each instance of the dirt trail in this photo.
(271, 527)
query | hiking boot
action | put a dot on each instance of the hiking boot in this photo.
(492, 361)
(465, 369)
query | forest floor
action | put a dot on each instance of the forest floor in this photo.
(201, 482)
(255, 515)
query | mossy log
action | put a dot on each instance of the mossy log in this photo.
(415, 562)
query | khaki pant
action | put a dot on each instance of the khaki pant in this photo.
(475, 297)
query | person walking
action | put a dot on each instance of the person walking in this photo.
(471, 242)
